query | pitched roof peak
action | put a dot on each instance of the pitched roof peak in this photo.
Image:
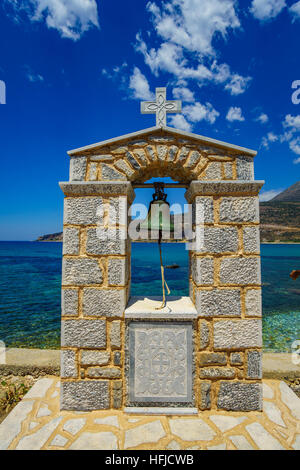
(165, 130)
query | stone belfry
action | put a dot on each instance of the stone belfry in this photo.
(199, 352)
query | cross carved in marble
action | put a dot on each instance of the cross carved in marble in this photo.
(161, 106)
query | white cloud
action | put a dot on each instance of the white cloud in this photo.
(292, 126)
(184, 94)
(268, 195)
(270, 137)
(33, 76)
(181, 82)
(182, 43)
(292, 122)
(140, 86)
(200, 112)
(71, 18)
(295, 147)
(267, 9)
(118, 72)
(192, 24)
(179, 122)
(173, 59)
(221, 72)
(237, 84)
(170, 58)
(185, 31)
(262, 118)
(291, 135)
(135, 84)
(192, 114)
(295, 11)
(234, 114)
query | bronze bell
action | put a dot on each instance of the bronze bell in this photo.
(158, 219)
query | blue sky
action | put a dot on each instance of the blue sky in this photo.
(76, 70)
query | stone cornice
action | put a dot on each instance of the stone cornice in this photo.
(224, 188)
(236, 149)
(97, 188)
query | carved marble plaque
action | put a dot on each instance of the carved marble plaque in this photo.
(160, 368)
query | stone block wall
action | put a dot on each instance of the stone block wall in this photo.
(225, 285)
(95, 289)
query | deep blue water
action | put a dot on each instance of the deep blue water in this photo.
(30, 276)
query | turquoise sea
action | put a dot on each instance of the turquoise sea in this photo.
(30, 276)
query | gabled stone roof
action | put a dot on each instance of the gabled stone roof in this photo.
(233, 149)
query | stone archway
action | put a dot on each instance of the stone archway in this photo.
(157, 152)
(224, 275)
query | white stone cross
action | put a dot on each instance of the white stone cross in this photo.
(160, 107)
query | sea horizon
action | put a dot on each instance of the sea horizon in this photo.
(137, 241)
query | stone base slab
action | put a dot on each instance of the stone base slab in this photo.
(36, 423)
(160, 411)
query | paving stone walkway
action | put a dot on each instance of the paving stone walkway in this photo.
(37, 423)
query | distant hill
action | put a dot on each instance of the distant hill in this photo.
(280, 221)
(280, 217)
(51, 237)
(291, 194)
